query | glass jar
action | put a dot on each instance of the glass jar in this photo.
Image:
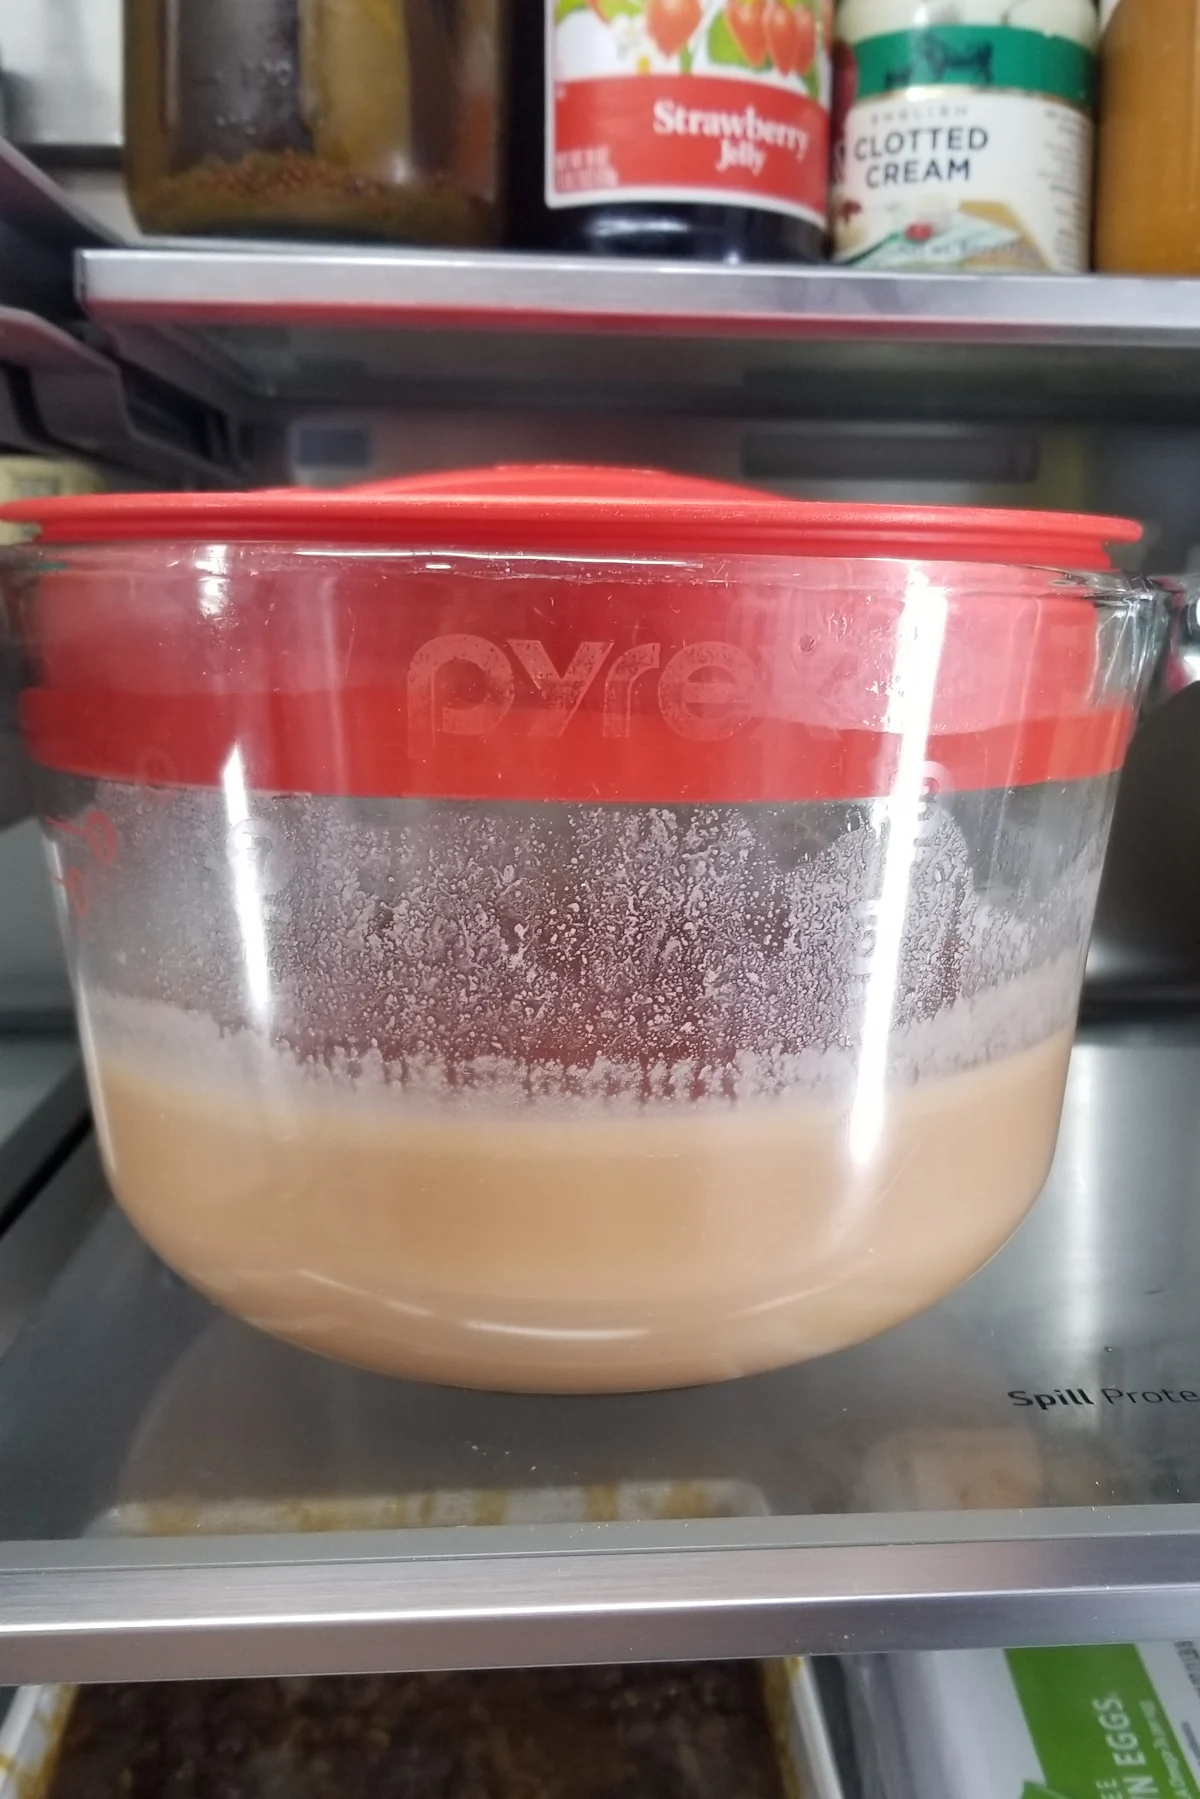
(963, 134)
(575, 930)
(672, 129)
(1148, 164)
(335, 118)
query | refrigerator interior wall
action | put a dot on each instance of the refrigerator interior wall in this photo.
(62, 74)
(34, 989)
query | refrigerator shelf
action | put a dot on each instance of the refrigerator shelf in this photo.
(181, 1496)
(340, 324)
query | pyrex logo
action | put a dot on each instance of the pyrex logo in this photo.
(704, 691)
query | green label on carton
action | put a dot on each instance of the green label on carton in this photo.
(1098, 1725)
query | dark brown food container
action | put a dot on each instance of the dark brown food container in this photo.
(375, 119)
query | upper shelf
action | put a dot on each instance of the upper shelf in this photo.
(221, 283)
(181, 1496)
(333, 322)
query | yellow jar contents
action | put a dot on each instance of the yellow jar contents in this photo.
(1148, 170)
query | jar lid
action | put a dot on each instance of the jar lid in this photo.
(589, 510)
(604, 634)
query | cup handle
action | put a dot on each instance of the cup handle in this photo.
(1179, 659)
(16, 785)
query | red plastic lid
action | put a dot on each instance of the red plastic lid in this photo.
(526, 509)
(683, 641)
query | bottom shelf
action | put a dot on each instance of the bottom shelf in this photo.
(700, 1731)
(181, 1496)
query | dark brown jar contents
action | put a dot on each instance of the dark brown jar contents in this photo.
(336, 118)
(688, 1732)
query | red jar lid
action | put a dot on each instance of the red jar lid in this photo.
(555, 508)
(670, 655)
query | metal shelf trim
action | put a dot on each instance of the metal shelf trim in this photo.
(217, 283)
(225, 1609)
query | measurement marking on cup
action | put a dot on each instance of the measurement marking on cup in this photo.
(98, 834)
(75, 885)
(96, 830)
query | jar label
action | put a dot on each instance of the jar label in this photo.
(687, 100)
(963, 147)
